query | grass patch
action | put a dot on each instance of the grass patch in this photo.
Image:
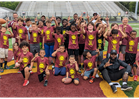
(133, 84)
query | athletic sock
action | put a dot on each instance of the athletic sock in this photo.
(1, 64)
(124, 83)
(110, 84)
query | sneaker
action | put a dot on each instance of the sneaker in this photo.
(31, 72)
(135, 77)
(45, 83)
(79, 71)
(19, 71)
(6, 67)
(44, 75)
(1, 70)
(26, 82)
(13, 58)
(92, 80)
(130, 74)
(97, 76)
(126, 88)
(114, 89)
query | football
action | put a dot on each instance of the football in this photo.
(2, 21)
(67, 80)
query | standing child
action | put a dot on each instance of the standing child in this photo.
(24, 61)
(131, 51)
(61, 57)
(90, 66)
(48, 40)
(42, 66)
(4, 45)
(113, 40)
(71, 72)
(21, 30)
(34, 39)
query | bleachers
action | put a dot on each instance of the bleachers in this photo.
(66, 8)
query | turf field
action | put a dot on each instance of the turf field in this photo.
(135, 26)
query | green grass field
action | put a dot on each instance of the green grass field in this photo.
(135, 26)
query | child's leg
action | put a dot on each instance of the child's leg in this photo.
(63, 71)
(79, 61)
(1, 62)
(76, 81)
(27, 73)
(95, 71)
(5, 62)
(56, 71)
(134, 70)
(86, 75)
(47, 74)
(47, 50)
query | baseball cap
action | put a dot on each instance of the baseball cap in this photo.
(94, 14)
(113, 52)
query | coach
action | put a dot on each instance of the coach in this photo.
(110, 71)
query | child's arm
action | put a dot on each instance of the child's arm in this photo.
(56, 24)
(67, 74)
(18, 37)
(98, 53)
(76, 66)
(53, 33)
(10, 32)
(27, 37)
(14, 25)
(87, 17)
(101, 28)
(43, 42)
(103, 41)
(54, 53)
(82, 29)
(68, 21)
(123, 33)
(36, 55)
(105, 34)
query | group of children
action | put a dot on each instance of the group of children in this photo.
(37, 43)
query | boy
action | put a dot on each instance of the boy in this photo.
(25, 60)
(90, 66)
(48, 40)
(34, 39)
(131, 51)
(61, 57)
(42, 66)
(136, 64)
(42, 28)
(71, 72)
(4, 45)
(113, 40)
(21, 30)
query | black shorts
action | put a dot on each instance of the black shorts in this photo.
(41, 76)
(23, 72)
(73, 52)
(81, 49)
(66, 45)
(130, 58)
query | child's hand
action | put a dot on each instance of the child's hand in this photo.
(30, 68)
(39, 29)
(43, 47)
(87, 16)
(92, 18)
(21, 59)
(36, 19)
(124, 27)
(9, 29)
(58, 50)
(14, 23)
(36, 55)
(105, 25)
(97, 50)
(7, 19)
(75, 62)
(18, 37)
(69, 18)
(30, 28)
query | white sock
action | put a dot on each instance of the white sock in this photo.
(124, 83)
(110, 84)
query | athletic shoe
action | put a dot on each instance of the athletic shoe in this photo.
(135, 77)
(19, 71)
(31, 72)
(130, 74)
(92, 80)
(26, 82)
(1, 70)
(44, 75)
(97, 76)
(126, 88)
(114, 89)
(13, 58)
(6, 67)
(79, 71)
(45, 83)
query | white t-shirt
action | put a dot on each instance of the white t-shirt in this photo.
(28, 31)
(102, 21)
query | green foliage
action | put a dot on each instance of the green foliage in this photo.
(11, 5)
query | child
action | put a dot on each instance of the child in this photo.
(48, 40)
(71, 72)
(21, 30)
(113, 40)
(28, 25)
(42, 66)
(73, 47)
(34, 39)
(61, 57)
(90, 66)
(136, 64)
(24, 61)
(131, 51)
(4, 40)
(42, 28)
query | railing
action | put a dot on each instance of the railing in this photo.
(16, 9)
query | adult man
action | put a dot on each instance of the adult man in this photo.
(43, 20)
(75, 16)
(124, 41)
(95, 15)
(110, 71)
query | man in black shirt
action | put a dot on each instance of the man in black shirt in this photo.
(110, 71)
(43, 20)
(75, 16)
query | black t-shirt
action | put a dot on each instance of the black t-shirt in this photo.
(63, 30)
(100, 45)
